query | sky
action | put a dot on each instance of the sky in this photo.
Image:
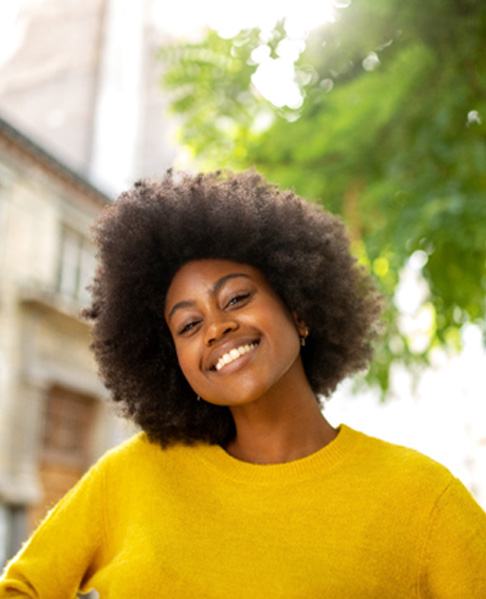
(229, 18)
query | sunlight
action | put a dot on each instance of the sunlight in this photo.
(12, 30)
(274, 78)
(299, 17)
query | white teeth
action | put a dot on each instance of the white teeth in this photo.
(234, 354)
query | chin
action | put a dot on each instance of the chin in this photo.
(239, 397)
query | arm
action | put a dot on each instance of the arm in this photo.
(454, 558)
(65, 547)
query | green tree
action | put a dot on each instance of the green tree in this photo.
(389, 134)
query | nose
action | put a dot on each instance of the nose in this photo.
(218, 328)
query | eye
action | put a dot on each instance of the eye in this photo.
(188, 327)
(238, 299)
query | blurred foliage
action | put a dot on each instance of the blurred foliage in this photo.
(390, 135)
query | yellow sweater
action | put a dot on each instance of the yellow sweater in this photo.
(359, 518)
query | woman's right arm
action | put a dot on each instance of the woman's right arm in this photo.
(64, 549)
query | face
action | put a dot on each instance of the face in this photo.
(234, 337)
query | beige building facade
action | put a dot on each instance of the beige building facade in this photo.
(54, 418)
(85, 81)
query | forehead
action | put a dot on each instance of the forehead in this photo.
(200, 275)
(206, 272)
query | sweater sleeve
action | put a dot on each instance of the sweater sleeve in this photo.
(454, 563)
(64, 549)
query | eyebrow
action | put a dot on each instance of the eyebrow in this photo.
(215, 288)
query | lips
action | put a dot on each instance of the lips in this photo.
(218, 352)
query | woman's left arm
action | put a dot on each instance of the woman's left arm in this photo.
(454, 560)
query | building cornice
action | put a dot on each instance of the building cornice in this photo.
(12, 136)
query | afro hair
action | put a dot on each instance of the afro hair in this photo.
(150, 231)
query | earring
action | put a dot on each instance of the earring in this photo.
(198, 398)
(303, 338)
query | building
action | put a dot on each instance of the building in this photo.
(54, 421)
(83, 78)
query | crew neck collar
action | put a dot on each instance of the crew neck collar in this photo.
(309, 466)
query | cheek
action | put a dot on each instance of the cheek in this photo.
(283, 347)
(188, 363)
(284, 334)
(289, 349)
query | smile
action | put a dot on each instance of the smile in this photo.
(234, 354)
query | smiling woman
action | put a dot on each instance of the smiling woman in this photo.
(222, 308)
(169, 252)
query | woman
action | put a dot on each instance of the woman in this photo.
(221, 308)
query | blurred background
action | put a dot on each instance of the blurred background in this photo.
(374, 108)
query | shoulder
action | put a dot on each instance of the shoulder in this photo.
(405, 482)
(139, 457)
(401, 467)
(136, 445)
(135, 450)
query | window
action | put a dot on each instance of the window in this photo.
(69, 420)
(66, 446)
(76, 265)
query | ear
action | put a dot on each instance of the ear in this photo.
(302, 328)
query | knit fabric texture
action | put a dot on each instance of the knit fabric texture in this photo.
(359, 518)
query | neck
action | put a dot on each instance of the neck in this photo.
(283, 425)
